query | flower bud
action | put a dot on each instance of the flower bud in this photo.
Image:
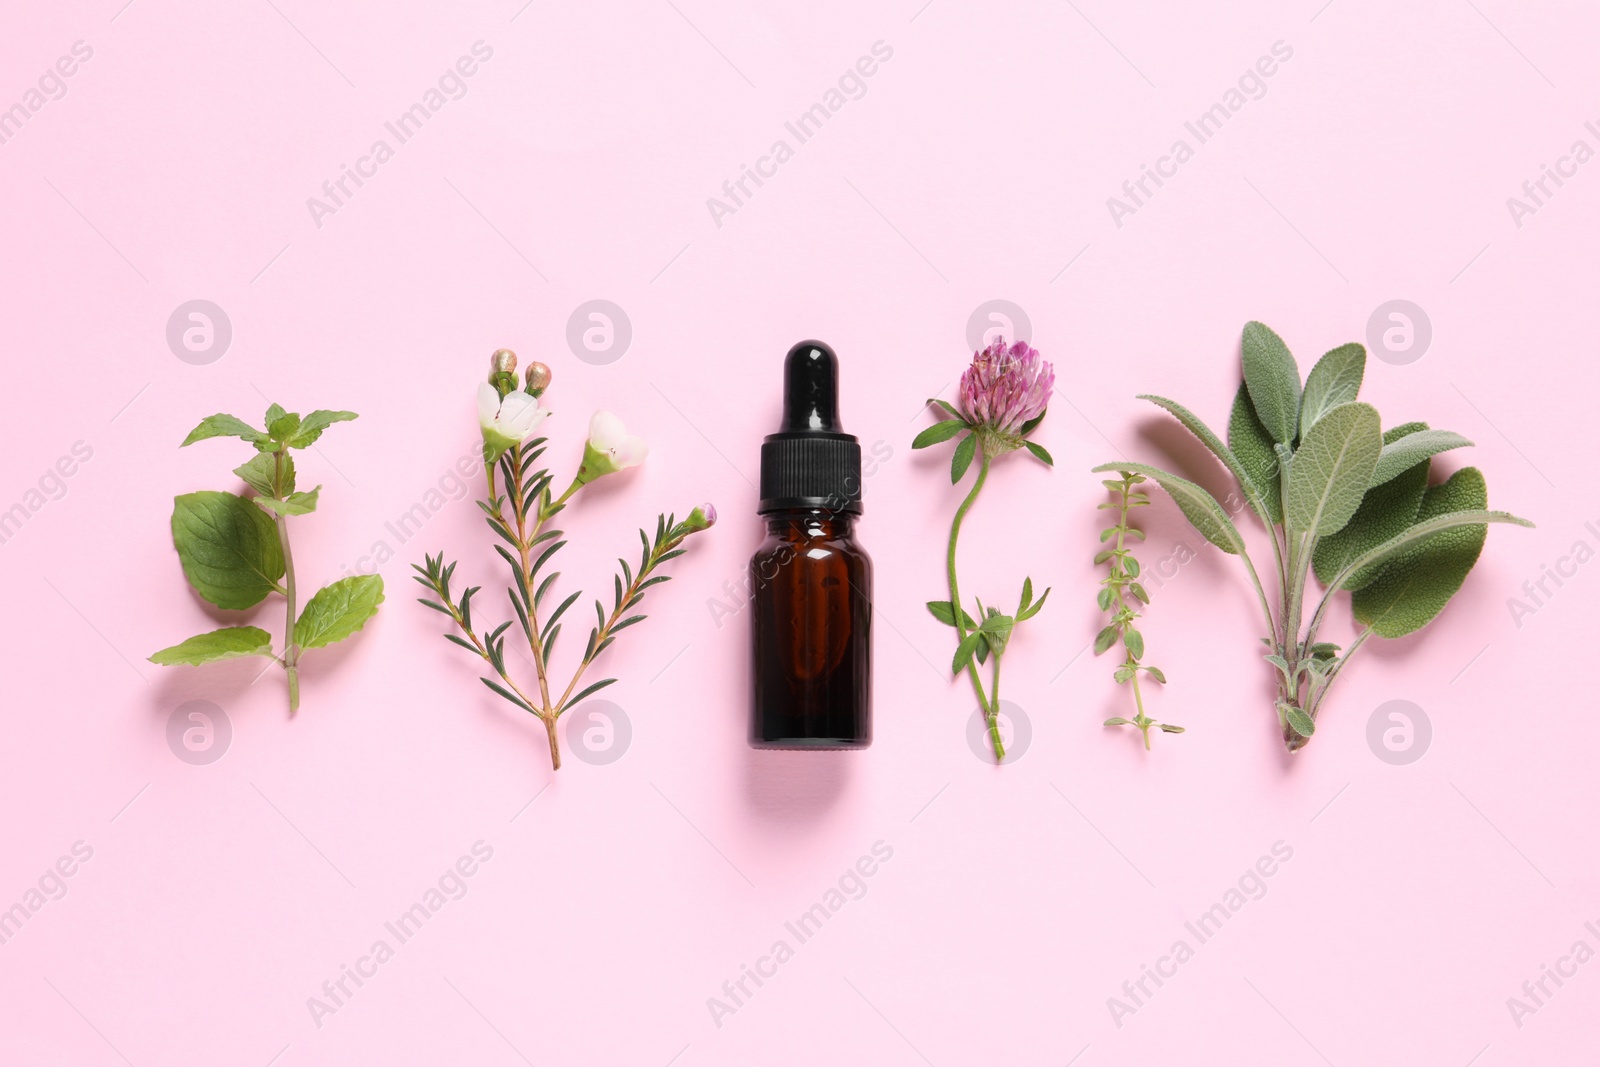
(538, 378)
(503, 371)
(701, 518)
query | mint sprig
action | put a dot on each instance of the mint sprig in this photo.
(234, 549)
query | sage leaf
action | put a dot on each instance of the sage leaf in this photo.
(312, 425)
(294, 504)
(1247, 481)
(1117, 720)
(1335, 380)
(1273, 379)
(228, 547)
(1300, 721)
(230, 642)
(1198, 506)
(338, 610)
(962, 459)
(1407, 451)
(1412, 588)
(224, 426)
(1386, 510)
(1333, 468)
(1421, 530)
(939, 431)
(1251, 445)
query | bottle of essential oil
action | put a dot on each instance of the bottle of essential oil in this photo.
(811, 581)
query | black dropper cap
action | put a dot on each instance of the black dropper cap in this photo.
(810, 462)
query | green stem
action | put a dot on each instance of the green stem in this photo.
(616, 615)
(989, 708)
(995, 740)
(1120, 570)
(291, 651)
(1143, 720)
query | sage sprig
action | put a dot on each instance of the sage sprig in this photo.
(1339, 497)
(1004, 395)
(1118, 584)
(235, 551)
(517, 517)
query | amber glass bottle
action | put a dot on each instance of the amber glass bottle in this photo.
(811, 581)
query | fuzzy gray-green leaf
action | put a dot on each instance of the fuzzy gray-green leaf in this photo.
(1247, 481)
(1198, 506)
(1335, 380)
(1251, 446)
(228, 547)
(1333, 468)
(1422, 529)
(1411, 589)
(1407, 451)
(1273, 379)
(1386, 510)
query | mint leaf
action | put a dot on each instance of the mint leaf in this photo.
(228, 547)
(1273, 380)
(281, 424)
(294, 504)
(939, 431)
(312, 425)
(1332, 469)
(259, 473)
(338, 610)
(1335, 380)
(229, 643)
(224, 426)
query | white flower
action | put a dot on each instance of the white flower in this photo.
(506, 421)
(610, 448)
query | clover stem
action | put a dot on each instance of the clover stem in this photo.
(994, 715)
(989, 708)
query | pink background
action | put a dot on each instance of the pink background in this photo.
(976, 166)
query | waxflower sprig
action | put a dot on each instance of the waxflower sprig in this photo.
(1339, 497)
(509, 418)
(1003, 398)
(235, 550)
(1122, 580)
